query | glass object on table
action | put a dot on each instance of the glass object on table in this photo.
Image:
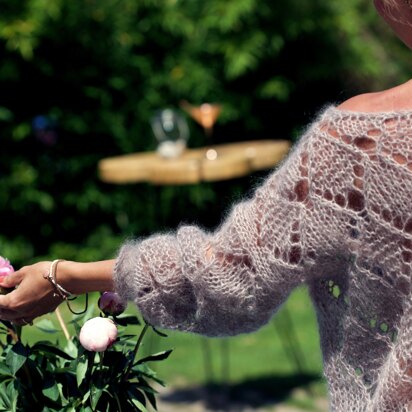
(171, 131)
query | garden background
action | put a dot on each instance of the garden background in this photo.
(79, 81)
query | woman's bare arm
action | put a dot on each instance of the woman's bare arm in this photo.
(35, 295)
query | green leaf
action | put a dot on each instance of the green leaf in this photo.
(6, 378)
(138, 405)
(152, 399)
(95, 394)
(155, 357)
(71, 349)
(163, 335)
(51, 389)
(81, 370)
(4, 370)
(143, 369)
(135, 392)
(16, 357)
(125, 337)
(4, 398)
(70, 408)
(50, 350)
(86, 396)
(46, 325)
(12, 395)
(134, 396)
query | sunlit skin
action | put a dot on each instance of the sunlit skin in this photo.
(399, 18)
(35, 295)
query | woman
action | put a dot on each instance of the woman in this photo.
(336, 216)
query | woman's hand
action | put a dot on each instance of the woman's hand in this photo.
(34, 295)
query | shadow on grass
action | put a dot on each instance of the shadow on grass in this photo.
(251, 393)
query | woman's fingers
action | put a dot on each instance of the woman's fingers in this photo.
(8, 311)
(17, 304)
(12, 280)
(23, 321)
(33, 297)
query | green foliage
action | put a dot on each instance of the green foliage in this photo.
(43, 377)
(98, 69)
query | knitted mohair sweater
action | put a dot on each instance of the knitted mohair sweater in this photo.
(337, 216)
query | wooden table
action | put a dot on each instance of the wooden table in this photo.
(213, 163)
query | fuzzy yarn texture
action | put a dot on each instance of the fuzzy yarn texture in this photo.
(337, 216)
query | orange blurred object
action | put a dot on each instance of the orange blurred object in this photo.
(206, 114)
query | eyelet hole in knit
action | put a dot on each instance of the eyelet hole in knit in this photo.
(333, 132)
(302, 190)
(356, 200)
(365, 143)
(295, 255)
(408, 226)
(358, 170)
(295, 238)
(384, 327)
(374, 132)
(340, 200)
(399, 158)
(334, 289)
(328, 195)
(407, 256)
(358, 183)
(354, 233)
(390, 123)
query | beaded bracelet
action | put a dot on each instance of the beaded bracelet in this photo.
(60, 291)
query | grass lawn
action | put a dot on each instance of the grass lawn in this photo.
(280, 357)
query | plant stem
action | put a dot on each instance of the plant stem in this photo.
(30, 381)
(89, 373)
(62, 324)
(14, 334)
(136, 348)
(118, 402)
(101, 370)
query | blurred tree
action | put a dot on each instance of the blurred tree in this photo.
(80, 81)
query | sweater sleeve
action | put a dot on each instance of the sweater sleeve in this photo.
(232, 280)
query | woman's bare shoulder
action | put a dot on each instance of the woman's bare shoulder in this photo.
(395, 99)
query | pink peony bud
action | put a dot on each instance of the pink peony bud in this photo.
(98, 334)
(5, 267)
(111, 304)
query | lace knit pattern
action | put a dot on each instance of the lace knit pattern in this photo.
(337, 216)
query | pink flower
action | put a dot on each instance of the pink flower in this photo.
(111, 304)
(98, 334)
(5, 267)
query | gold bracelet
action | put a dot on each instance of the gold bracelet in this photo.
(51, 277)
